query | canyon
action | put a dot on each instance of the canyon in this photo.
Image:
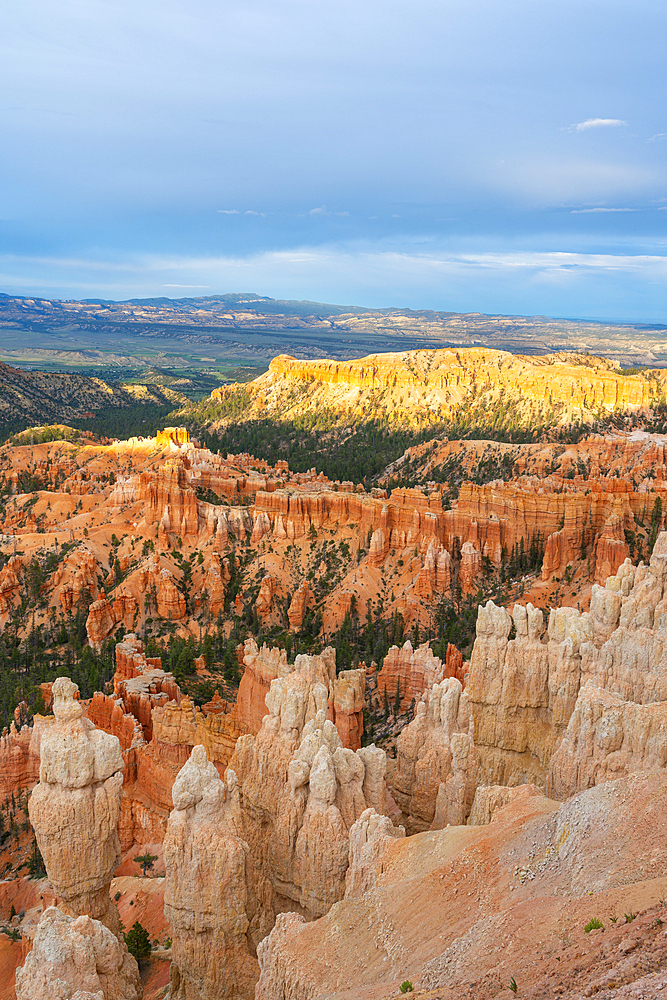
(504, 789)
(315, 737)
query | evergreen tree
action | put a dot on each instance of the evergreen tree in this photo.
(146, 861)
(138, 943)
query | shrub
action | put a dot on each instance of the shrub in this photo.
(593, 925)
(513, 986)
(406, 986)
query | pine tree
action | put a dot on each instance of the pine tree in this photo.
(138, 943)
(147, 862)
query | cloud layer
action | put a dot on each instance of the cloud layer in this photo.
(199, 130)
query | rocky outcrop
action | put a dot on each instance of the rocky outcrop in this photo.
(10, 583)
(435, 577)
(141, 684)
(108, 713)
(82, 581)
(74, 811)
(409, 672)
(489, 799)
(100, 622)
(470, 567)
(74, 808)
(470, 904)
(267, 591)
(210, 897)
(611, 549)
(370, 836)
(346, 707)
(346, 691)
(260, 668)
(301, 790)
(607, 738)
(522, 691)
(435, 779)
(454, 666)
(587, 704)
(170, 601)
(550, 378)
(217, 576)
(78, 958)
(299, 606)
(19, 756)
(169, 501)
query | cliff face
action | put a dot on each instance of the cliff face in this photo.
(414, 385)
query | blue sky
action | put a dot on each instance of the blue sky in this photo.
(505, 156)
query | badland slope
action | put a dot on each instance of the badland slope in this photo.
(30, 398)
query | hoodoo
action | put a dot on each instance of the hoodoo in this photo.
(74, 810)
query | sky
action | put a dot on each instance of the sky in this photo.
(464, 155)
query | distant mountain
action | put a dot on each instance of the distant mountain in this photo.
(254, 327)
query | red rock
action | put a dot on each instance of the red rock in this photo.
(260, 668)
(299, 606)
(100, 622)
(611, 550)
(411, 671)
(454, 664)
(265, 597)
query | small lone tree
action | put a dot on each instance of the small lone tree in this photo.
(147, 862)
(138, 943)
(36, 866)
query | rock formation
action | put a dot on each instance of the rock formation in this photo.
(265, 597)
(611, 549)
(301, 790)
(410, 672)
(299, 606)
(260, 668)
(19, 756)
(210, 896)
(471, 905)
(346, 706)
(74, 811)
(100, 622)
(521, 691)
(370, 836)
(76, 958)
(435, 779)
(74, 808)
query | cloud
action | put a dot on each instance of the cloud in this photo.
(657, 136)
(322, 210)
(584, 211)
(597, 123)
(378, 274)
(229, 211)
